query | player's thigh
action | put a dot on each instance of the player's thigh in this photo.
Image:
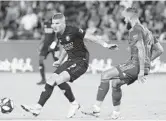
(78, 68)
(110, 74)
(128, 72)
(58, 78)
(57, 75)
(63, 67)
(70, 71)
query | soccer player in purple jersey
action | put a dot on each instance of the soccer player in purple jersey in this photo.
(144, 48)
(71, 38)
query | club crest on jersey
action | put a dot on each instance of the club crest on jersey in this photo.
(81, 31)
(67, 38)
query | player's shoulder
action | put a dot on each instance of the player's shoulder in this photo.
(71, 29)
(138, 27)
(74, 30)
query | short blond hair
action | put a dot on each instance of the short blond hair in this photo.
(58, 16)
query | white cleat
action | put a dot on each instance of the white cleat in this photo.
(95, 111)
(73, 109)
(115, 115)
(34, 110)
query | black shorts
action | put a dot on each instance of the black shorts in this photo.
(128, 72)
(75, 68)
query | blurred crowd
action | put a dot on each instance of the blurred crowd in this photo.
(23, 20)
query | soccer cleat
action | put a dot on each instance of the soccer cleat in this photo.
(41, 82)
(73, 109)
(95, 111)
(115, 115)
(34, 110)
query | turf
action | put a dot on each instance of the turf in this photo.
(140, 101)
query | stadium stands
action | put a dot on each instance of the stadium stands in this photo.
(23, 19)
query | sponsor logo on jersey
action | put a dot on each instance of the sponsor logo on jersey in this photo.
(72, 66)
(67, 38)
(124, 74)
(81, 31)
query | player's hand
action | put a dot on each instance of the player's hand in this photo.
(141, 77)
(56, 64)
(113, 46)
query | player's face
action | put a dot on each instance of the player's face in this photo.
(57, 25)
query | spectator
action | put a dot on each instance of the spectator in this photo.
(29, 21)
(27, 24)
(104, 16)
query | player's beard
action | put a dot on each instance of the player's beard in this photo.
(129, 26)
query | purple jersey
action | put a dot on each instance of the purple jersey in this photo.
(139, 32)
(135, 35)
(72, 42)
(149, 41)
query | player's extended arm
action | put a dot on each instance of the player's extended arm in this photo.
(141, 55)
(98, 40)
(157, 50)
(62, 54)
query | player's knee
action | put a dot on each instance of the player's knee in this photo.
(105, 76)
(116, 83)
(53, 79)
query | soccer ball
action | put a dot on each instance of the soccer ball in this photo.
(6, 105)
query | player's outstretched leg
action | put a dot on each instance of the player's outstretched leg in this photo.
(45, 95)
(54, 80)
(42, 70)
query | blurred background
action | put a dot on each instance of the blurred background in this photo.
(22, 20)
(21, 30)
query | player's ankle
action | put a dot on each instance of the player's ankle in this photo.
(96, 108)
(74, 102)
(98, 103)
(39, 106)
(117, 108)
